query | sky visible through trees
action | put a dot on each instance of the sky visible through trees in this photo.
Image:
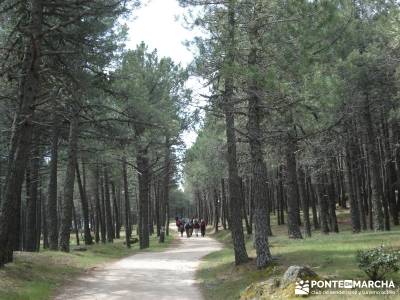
(162, 26)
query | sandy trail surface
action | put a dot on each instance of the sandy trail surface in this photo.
(149, 275)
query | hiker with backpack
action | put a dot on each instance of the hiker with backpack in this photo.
(196, 227)
(191, 227)
(187, 229)
(181, 227)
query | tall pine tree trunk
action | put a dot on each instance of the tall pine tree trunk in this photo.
(116, 207)
(67, 205)
(374, 168)
(32, 201)
(144, 184)
(108, 213)
(354, 208)
(127, 204)
(258, 166)
(235, 195)
(304, 202)
(52, 203)
(291, 182)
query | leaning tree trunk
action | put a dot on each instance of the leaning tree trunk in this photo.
(29, 87)
(85, 207)
(66, 214)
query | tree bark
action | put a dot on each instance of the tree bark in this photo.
(108, 213)
(32, 200)
(44, 224)
(332, 201)
(85, 207)
(144, 182)
(292, 194)
(66, 214)
(166, 182)
(304, 202)
(314, 200)
(258, 166)
(116, 207)
(76, 227)
(323, 208)
(233, 178)
(103, 225)
(354, 207)
(374, 168)
(127, 204)
(52, 203)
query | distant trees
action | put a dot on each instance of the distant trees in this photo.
(155, 97)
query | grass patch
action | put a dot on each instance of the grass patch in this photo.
(330, 256)
(35, 276)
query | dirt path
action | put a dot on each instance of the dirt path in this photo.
(146, 276)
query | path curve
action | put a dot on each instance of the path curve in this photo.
(165, 275)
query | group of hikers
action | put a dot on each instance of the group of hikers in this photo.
(190, 225)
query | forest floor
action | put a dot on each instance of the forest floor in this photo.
(330, 256)
(36, 276)
(163, 275)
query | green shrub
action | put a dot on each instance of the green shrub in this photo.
(378, 262)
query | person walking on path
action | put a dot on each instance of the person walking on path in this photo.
(203, 228)
(181, 227)
(196, 227)
(191, 227)
(187, 229)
